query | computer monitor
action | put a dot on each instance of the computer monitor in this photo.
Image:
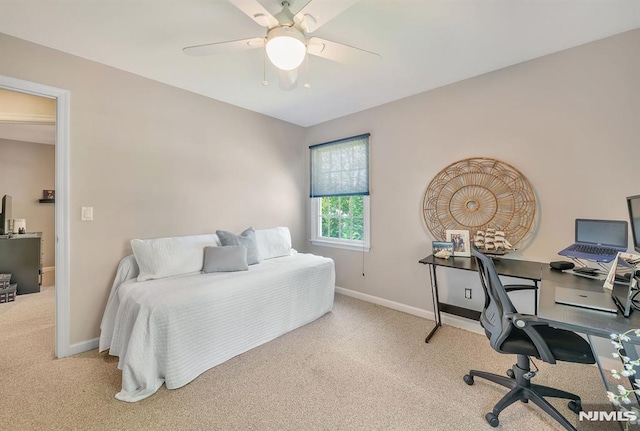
(633, 204)
(6, 216)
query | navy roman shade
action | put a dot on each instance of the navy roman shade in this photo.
(341, 167)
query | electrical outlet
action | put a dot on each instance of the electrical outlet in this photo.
(467, 293)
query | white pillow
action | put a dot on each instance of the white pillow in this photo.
(274, 242)
(165, 257)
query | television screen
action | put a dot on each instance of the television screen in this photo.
(633, 204)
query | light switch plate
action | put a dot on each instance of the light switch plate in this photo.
(87, 214)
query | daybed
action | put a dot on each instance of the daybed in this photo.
(168, 323)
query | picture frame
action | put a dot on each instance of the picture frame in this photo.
(460, 241)
(48, 194)
(437, 246)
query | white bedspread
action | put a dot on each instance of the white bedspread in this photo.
(173, 329)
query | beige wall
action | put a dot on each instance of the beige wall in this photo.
(569, 122)
(26, 169)
(154, 161)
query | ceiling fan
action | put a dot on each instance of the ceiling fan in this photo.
(286, 41)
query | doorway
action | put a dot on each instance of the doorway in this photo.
(61, 237)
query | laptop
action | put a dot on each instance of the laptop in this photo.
(598, 240)
(585, 299)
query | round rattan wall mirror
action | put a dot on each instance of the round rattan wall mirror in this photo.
(479, 193)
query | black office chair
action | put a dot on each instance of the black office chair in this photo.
(525, 336)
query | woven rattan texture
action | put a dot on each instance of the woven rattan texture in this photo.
(478, 193)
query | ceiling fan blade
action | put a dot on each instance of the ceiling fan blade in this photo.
(222, 47)
(339, 52)
(317, 13)
(287, 79)
(256, 12)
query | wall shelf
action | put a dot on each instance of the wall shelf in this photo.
(46, 201)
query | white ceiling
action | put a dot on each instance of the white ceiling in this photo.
(424, 44)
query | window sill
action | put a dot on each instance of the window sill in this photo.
(339, 244)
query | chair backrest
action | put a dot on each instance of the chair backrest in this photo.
(497, 302)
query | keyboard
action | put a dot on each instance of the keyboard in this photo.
(592, 249)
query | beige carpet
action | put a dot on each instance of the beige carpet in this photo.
(360, 367)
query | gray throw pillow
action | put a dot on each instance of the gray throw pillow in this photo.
(225, 259)
(246, 238)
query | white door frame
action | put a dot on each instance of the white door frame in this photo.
(63, 329)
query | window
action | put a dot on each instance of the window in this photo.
(340, 193)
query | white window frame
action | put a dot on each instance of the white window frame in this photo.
(346, 244)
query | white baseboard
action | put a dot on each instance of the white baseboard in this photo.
(415, 311)
(462, 323)
(458, 322)
(83, 346)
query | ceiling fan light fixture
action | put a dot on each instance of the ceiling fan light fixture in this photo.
(286, 47)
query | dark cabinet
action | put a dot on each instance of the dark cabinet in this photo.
(20, 256)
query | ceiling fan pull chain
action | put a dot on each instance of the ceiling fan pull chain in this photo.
(306, 66)
(264, 67)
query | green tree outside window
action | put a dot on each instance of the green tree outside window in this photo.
(343, 217)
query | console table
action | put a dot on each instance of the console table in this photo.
(522, 269)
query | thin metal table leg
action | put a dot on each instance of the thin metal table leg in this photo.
(436, 303)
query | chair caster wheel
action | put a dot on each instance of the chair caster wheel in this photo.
(492, 419)
(511, 374)
(468, 379)
(575, 406)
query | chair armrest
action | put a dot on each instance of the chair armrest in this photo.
(516, 287)
(526, 322)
